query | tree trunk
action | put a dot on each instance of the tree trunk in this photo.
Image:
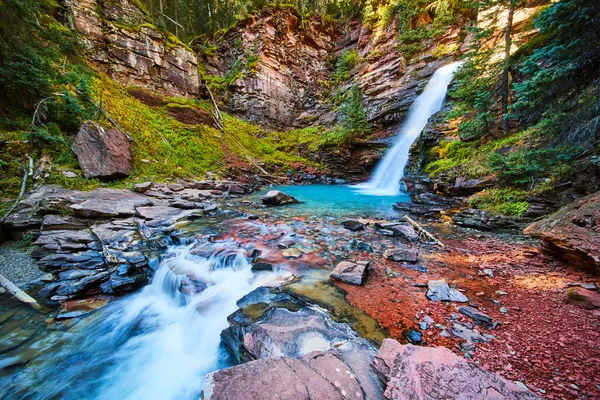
(505, 82)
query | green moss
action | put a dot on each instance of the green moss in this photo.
(573, 295)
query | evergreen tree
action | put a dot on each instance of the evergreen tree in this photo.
(353, 116)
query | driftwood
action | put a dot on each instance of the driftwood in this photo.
(18, 293)
(422, 230)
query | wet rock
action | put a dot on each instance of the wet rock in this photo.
(142, 187)
(183, 204)
(277, 198)
(14, 338)
(77, 308)
(292, 253)
(359, 245)
(476, 315)
(102, 154)
(261, 265)
(126, 284)
(406, 231)
(440, 291)
(354, 273)
(61, 222)
(573, 232)
(352, 225)
(62, 261)
(289, 327)
(175, 187)
(415, 372)
(399, 254)
(70, 288)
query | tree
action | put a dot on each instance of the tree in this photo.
(353, 116)
(505, 69)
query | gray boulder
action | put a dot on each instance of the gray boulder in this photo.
(440, 291)
(354, 273)
(277, 198)
(398, 254)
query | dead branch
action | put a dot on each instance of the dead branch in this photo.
(422, 230)
(26, 174)
(18, 293)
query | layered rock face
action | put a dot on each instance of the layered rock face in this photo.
(573, 232)
(287, 84)
(290, 81)
(124, 46)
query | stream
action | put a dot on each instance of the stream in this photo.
(160, 342)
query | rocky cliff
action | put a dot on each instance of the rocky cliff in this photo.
(124, 46)
(278, 70)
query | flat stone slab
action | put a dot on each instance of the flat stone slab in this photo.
(398, 255)
(420, 373)
(440, 291)
(354, 273)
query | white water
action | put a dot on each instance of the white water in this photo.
(157, 344)
(182, 345)
(386, 180)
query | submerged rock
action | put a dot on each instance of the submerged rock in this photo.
(354, 226)
(354, 273)
(440, 291)
(277, 198)
(415, 372)
(102, 154)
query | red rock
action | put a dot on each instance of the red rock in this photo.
(102, 154)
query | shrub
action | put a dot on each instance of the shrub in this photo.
(345, 64)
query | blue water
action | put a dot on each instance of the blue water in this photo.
(336, 201)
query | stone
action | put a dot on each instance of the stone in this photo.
(103, 154)
(289, 327)
(467, 334)
(142, 187)
(423, 373)
(292, 253)
(69, 174)
(573, 232)
(278, 378)
(110, 203)
(477, 316)
(350, 272)
(359, 245)
(438, 290)
(399, 254)
(587, 299)
(175, 187)
(412, 336)
(353, 226)
(77, 308)
(277, 198)
(482, 219)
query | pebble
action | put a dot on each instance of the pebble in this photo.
(503, 310)
(501, 293)
(18, 266)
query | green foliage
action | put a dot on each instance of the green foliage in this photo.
(345, 64)
(505, 201)
(567, 60)
(353, 117)
(525, 165)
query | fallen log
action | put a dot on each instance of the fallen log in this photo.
(18, 293)
(422, 230)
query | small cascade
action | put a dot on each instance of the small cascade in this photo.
(388, 175)
(157, 344)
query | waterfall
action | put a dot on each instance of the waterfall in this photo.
(388, 175)
(158, 343)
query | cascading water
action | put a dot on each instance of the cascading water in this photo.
(156, 344)
(388, 175)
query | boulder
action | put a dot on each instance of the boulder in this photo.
(354, 273)
(272, 323)
(573, 233)
(277, 198)
(353, 226)
(420, 373)
(398, 254)
(440, 291)
(278, 378)
(583, 298)
(482, 219)
(103, 154)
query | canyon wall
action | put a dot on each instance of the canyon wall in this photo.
(133, 52)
